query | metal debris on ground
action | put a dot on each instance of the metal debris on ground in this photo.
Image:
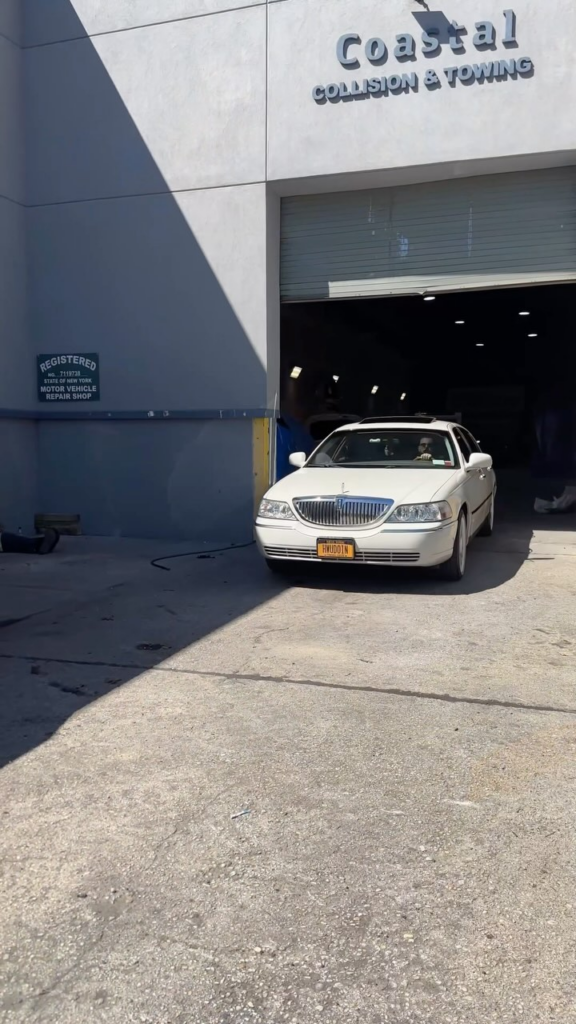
(240, 814)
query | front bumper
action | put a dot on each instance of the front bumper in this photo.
(417, 545)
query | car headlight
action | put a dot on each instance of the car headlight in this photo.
(275, 510)
(433, 512)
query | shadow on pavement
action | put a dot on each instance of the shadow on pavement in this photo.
(91, 619)
(491, 563)
(488, 567)
(114, 259)
(520, 534)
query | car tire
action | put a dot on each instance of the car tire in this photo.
(455, 567)
(487, 528)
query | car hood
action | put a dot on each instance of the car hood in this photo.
(399, 485)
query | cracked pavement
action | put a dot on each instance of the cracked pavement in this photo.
(405, 751)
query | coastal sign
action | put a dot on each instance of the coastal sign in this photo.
(70, 377)
(438, 37)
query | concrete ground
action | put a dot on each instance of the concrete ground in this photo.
(405, 751)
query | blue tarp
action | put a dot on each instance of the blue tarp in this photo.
(291, 436)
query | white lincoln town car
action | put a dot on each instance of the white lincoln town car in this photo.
(406, 491)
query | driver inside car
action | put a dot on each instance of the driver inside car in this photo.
(425, 450)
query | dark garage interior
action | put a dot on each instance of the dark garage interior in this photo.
(494, 357)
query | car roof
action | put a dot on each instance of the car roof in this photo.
(402, 423)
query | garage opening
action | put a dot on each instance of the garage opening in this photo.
(489, 357)
(487, 338)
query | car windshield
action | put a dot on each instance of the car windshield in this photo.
(383, 449)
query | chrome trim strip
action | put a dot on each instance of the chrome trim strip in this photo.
(288, 552)
(433, 528)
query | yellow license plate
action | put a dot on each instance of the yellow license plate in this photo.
(335, 549)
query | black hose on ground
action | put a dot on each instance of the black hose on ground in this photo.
(187, 554)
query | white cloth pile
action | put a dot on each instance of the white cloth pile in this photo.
(565, 503)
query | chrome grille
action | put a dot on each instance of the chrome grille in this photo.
(342, 510)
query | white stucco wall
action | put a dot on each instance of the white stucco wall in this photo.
(15, 390)
(15, 384)
(170, 290)
(11, 20)
(168, 100)
(16, 380)
(170, 107)
(18, 474)
(11, 122)
(18, 466)
(151, 480)
(53, 20)
(490, 120)
(147, 237)
(159, 134)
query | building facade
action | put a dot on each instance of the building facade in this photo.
(154, 152)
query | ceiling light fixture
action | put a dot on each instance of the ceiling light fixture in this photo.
(402, 396)
(429, 298)
(295, 372)
(374, 390)
(335, 378)
(524, 312)
(479, 344)
(459, 321)
(532, 335)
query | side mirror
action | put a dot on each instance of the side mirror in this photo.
(479, 460)
(297, 459)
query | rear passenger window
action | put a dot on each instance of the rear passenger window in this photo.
(473, 444)
(464, 446)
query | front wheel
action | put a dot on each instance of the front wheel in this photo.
(455, 567)
(487, 528)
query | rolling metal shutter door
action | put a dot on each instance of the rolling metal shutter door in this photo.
(489, 232)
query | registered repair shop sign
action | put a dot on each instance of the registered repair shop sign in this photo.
(73, 377)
